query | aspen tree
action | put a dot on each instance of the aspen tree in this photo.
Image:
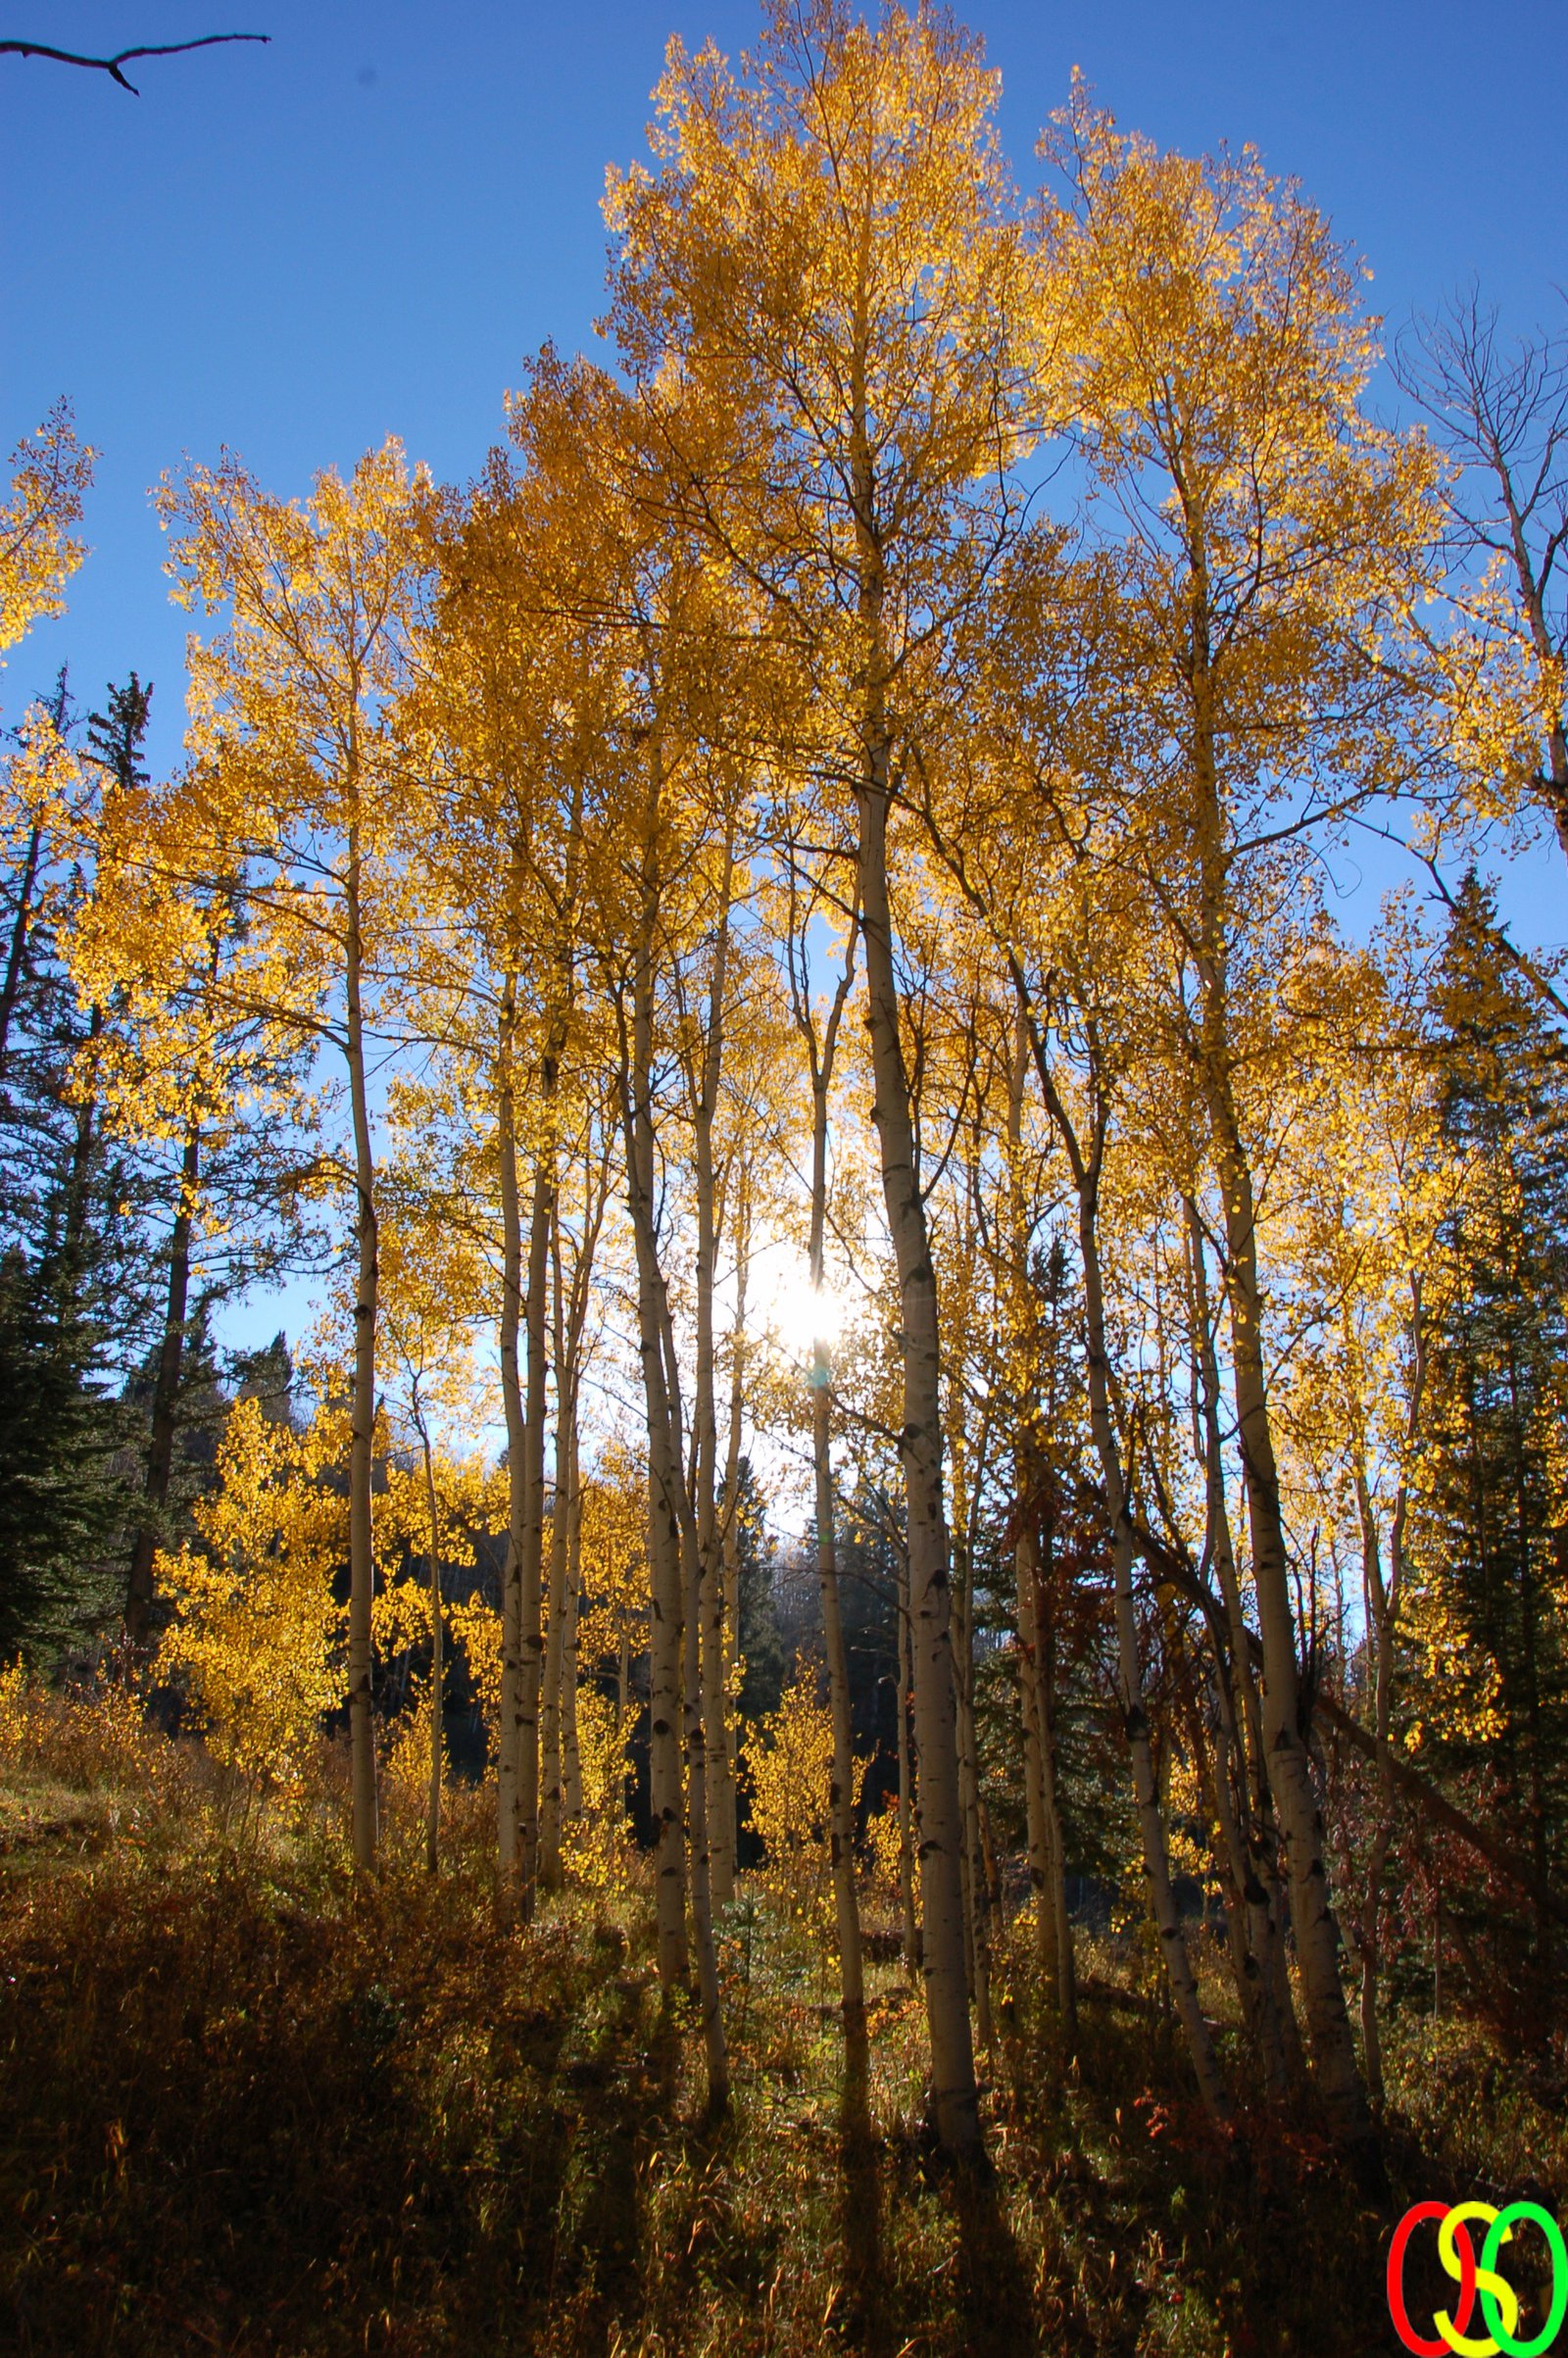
(256, 1629)
(634, 1002)
(1053, 1946)
(289, 794)
(724, 1656)
(200, 1075)
(819, 1033)
(676, 1565)
(704, 1033)
(41, 782)
(1042, 911)
(614, 1544)
(51, 473)
(654, 890)
(430, 1279)
(1375, 1190)
(958, 1054)
(1501, 416)
(511, 713)
(1266, 1990)
(830, 245)
(1221, 350)
(573, 1247)
(749, 1133)
(1084, 1139)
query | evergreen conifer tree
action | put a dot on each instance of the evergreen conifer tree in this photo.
(1491, 1534)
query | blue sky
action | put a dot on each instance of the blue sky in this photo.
(363, 227)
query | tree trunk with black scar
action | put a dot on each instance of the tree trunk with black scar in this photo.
(362, 1562)
(509, 1851)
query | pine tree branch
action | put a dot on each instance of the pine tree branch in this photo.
(111, 64)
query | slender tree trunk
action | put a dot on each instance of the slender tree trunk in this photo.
(563, 1782)
(1053, 1948)
(1289, 1770)
(707, 1990)
(709, 1696)
(841, 1792)
(983, 1896)
(1152, 1827)
(723, 1812)
(1382, 1612)
(432, 1822)
(1264, 1988)
(508, 1748)
(909, 1892)
(821, 1053)
(1227, 1846)
(1086, 1168)
(1037, 1835)
(941, 1820)
(573, 1307)
(530, 1583)
(663, 1466)
(571, 1753)
(552, 1808)
(977, 1943)
(622, 1682)
(1066, 1963)
(362, 1560)
(1289, 1777)
(166, 1397)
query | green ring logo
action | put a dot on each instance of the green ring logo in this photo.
(1478, 2280)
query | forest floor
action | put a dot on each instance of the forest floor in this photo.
(247, 2107)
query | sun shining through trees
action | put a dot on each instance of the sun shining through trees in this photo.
(892, 1668)
(793, 1314)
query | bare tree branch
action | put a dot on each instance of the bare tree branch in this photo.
(111, 64)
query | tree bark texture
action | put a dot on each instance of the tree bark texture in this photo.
(664, 1476)
(362, 1560)
(939, 1813)
(508, 1858)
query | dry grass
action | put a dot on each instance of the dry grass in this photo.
(255, 2110)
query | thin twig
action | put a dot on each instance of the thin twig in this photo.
(111, 64)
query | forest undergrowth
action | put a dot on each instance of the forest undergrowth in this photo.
(258, 2107)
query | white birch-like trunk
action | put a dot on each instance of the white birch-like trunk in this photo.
(530, 1570)
(665, 1650)
(1289, 1777)
(557, 1603)
(909, 1881)
(432, 1820)
(954, 2096)
(508, 1858)
(723, 1826)
(570, 1751)
(707, 1684)
(362, 1559)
